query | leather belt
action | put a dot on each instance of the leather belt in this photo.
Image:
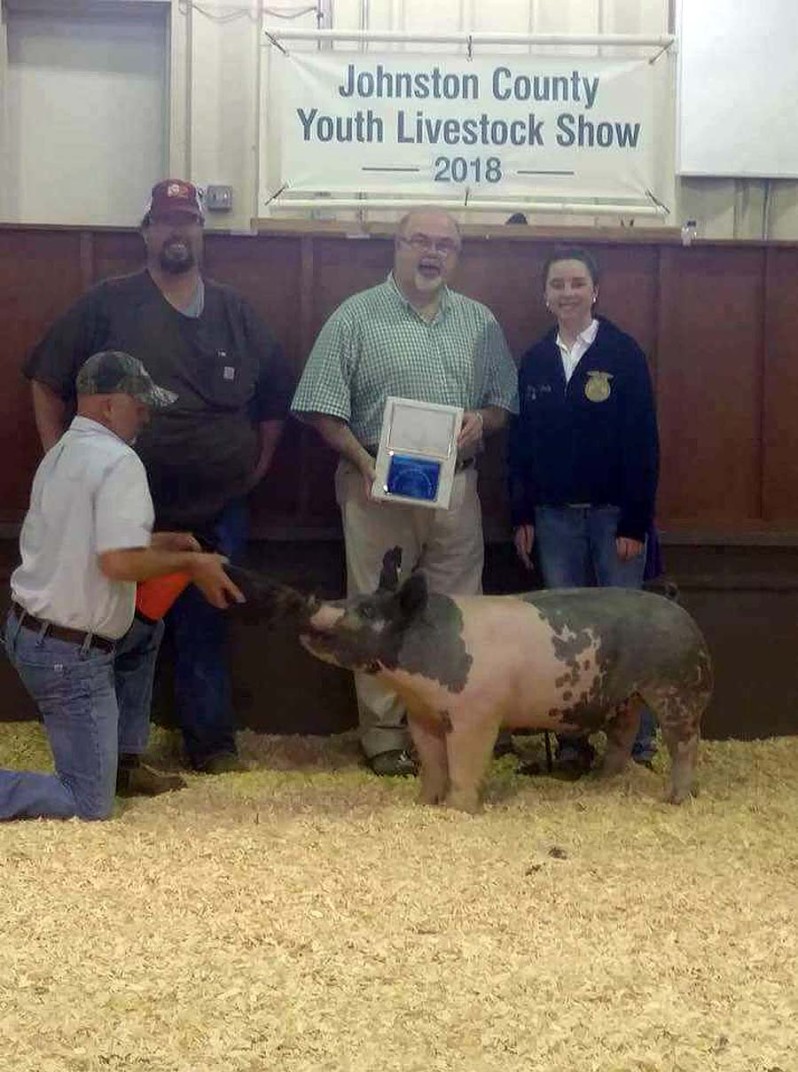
(60, 632)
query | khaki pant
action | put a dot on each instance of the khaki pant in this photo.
(446, 544)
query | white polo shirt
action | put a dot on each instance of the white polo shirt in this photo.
(582, 343)
(89, 495)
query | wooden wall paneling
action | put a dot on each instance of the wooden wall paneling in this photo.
(40, 276)
(86, 259)
(725, 392)
(305, 438)
(780, 402)
(342, 267)
(316, 463)
(709, 385)
(503, 275)
(506, 276)
(115, 253)
(267, 271)
(628, 293)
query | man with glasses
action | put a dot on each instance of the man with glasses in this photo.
(203, 341)
(408, 337)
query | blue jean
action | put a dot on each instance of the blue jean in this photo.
(90, 714)
(203, 691)
(134, 673)
(576, 549)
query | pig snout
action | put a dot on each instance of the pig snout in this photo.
(319, 630)
(325, 616)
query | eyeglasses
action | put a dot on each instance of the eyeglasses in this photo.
(424, 244)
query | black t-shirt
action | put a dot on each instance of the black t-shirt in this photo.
(225, 367)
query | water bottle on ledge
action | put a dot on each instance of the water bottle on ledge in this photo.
(689, 232)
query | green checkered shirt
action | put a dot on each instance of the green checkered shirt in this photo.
(375, 345)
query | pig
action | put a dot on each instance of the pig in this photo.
(567, 660)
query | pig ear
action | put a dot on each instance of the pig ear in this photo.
(412, 596)
(391, 568)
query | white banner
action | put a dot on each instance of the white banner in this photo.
(572, 128)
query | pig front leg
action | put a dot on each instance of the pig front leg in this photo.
(429, 737)
(469, 746)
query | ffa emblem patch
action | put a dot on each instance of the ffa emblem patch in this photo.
(597, 388)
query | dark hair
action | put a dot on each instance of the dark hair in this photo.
(571, 253)
(517, 217)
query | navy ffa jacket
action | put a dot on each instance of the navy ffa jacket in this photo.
(593, 440)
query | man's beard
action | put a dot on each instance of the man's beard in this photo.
(176, 256)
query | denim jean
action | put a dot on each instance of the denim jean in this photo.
(576, 549)
(203, 691)
(74, 690)
(92, 709)
(134, 673)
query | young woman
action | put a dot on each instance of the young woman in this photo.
(584, 456)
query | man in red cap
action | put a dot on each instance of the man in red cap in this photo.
(204, 342)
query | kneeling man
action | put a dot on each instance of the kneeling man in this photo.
(85, 542)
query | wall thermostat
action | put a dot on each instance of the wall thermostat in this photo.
(417, 454)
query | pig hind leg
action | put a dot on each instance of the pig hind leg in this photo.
(621, 731)
(679, 717)
(429, 737)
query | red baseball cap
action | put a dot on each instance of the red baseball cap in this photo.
(175, 195)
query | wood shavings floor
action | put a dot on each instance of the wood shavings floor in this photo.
(308, 916)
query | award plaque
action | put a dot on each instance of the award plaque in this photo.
(417, 453)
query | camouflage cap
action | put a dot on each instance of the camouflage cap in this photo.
(114, 372)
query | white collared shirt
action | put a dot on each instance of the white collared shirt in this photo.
(89, 495)
(584, 340)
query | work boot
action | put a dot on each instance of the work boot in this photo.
(136, 779)
(504, 745)
(395, 763)
(221, 763)
(574, 760)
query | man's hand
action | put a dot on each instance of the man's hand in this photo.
(337, 434)
(258, 473)
(209, 575)
(369, 471)
(471, 431)
(175, 541)
(270, 432)
(627, 548)
(524, 540)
